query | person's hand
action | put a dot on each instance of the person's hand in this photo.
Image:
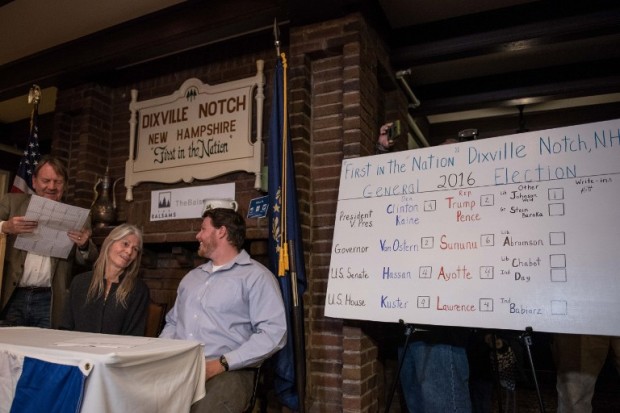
(19, 225)
(384, 140)
(80, 237)
(213, 368)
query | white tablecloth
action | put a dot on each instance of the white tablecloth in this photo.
(128, 374)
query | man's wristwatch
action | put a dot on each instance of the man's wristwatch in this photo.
(224, 362)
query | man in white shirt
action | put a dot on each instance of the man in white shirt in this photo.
(35, 287)
(579, 360)
(233, 305)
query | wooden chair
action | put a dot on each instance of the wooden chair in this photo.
(2, 252)
(257, 377)
(155, 319)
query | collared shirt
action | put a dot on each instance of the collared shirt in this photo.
(236, 311)
(37, 271)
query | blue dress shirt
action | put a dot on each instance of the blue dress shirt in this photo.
(236, 311)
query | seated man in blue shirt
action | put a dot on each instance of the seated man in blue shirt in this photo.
(233, 305)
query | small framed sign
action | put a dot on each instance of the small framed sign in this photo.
(258, 207)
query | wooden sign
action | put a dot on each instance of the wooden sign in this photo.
(198, 132)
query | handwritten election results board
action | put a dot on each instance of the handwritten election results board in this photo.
(510, 232)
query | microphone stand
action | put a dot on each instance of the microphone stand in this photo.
(409, 330)
(527, 340)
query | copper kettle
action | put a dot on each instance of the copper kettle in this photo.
(103, 209)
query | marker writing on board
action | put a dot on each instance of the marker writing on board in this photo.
(520, 309)
(444, 244)
(505, 176)
(511, 242)
(389, 274)
(525, 212)
(523, 197)
(345, 299)
(561, 145)
(526, 262)
(397, 245)
(509, 150)
(393, 302)
(461, 273)
(353, 172)
(458, 307)
(418, 163)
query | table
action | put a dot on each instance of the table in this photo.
(127, 374)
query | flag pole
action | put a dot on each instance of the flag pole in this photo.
(31, 155)
(298, 322)
(276, 36)
(284, 258)
(34, 97)
(288, 251)
(283, 261)
(286, 254)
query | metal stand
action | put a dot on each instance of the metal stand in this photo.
(409, 330)
(498, 386)
(526, 337)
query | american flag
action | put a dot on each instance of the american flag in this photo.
(28, 163)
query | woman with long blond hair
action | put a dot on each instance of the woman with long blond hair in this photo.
(111, 299)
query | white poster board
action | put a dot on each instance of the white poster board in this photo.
(510, 232)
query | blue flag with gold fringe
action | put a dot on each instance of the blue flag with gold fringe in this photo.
(285, 246)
